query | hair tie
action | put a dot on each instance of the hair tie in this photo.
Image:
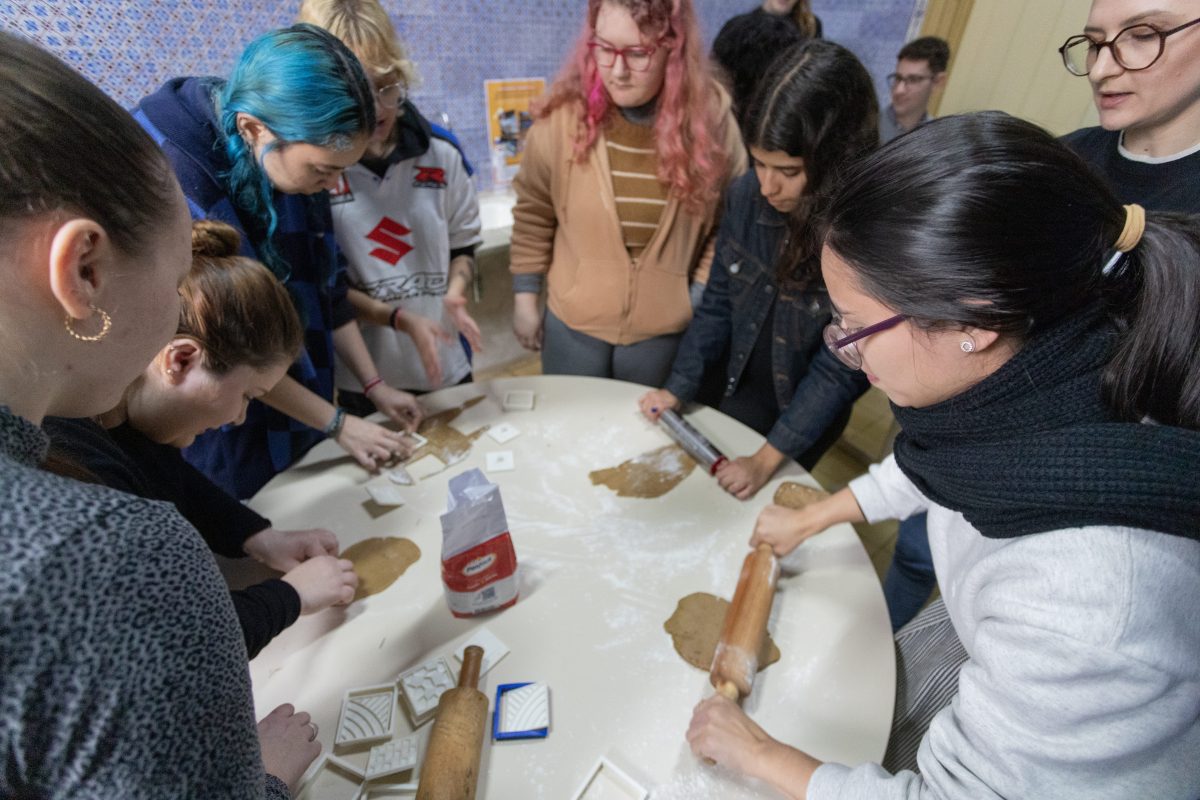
(1135, 226)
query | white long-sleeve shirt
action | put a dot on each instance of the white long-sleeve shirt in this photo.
(1083, 677)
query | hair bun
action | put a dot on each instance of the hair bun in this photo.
(214, 239)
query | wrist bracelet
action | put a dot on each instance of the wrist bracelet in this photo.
(394, 316)
(335, 425)
(371, 384)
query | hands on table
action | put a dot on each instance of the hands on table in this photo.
(288, 740)
(721, 731)
(373, 445)
(310, 563)
(743, 476)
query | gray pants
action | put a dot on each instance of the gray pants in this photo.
(568, 352)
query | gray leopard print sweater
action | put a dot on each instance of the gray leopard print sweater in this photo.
(122, 668)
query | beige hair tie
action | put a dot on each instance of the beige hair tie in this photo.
(1135, 226)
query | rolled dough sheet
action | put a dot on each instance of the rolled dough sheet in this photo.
(379, 562)
(797, 495)
(695, 629)
(444, 441)
(649, 475)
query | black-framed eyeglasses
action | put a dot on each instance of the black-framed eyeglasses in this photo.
(1134, 48)
(843, 343)
(392, 95)
(637, 59)
(909, 81)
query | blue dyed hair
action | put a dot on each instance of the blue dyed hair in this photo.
(305, 86)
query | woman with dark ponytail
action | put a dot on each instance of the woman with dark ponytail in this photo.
(765, 304)
(1038, 341)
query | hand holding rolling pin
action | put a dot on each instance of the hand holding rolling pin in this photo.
(742, 477)
(654, 402)
(784, 529)
(720, 731)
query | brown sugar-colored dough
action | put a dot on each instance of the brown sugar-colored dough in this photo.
(379, 562)
(447, 443)
(695, 629)
(649, 475)
(797, 495)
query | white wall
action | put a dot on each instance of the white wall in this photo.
(1009, 61)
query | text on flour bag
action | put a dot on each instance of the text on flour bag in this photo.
(479, 565)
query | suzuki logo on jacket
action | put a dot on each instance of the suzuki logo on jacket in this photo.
(388, 233)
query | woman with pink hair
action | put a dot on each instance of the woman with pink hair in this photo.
(618, 191)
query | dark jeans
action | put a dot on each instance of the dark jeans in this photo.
(910, 579)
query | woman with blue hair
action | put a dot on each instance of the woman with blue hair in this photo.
(260, 151)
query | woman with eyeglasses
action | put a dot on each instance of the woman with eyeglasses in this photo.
(617, 194)
(1140, 58)
(765, 304)
(407, 219)
(260, 151)
(1037, 340)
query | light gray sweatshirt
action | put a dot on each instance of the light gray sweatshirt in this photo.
(1083, 677)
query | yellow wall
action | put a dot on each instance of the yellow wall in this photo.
(1008, 60)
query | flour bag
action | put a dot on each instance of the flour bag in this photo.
(479, 565)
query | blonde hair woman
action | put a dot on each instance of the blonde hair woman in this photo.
(413, 175)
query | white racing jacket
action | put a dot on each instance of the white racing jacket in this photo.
(398, 232)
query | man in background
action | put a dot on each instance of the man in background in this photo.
(920, 69)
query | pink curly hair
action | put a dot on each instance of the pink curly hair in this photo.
(691, 163)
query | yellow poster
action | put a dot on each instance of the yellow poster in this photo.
(508, 104)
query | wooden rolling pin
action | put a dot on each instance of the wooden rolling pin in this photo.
(735, 661)
(451, 768)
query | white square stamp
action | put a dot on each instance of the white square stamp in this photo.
(504, 432)
(500, 461)
(385, 495)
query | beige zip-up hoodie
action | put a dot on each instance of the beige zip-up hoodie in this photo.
(565, 226)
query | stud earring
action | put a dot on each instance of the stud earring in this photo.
(105, 325)
(968, 346)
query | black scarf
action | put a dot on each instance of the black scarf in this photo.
(1033, 447)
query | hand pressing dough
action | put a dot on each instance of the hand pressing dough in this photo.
(379, 562)
(649, 475)
(695, 629)
(796, 495)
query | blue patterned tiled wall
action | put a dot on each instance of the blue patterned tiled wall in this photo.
(129, 47)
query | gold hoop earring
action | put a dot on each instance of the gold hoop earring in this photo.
(105, 325)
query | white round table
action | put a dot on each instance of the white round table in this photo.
(599, 574)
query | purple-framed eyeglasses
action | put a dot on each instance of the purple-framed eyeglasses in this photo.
(842, 343)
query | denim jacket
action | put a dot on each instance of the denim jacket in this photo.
(811, 386)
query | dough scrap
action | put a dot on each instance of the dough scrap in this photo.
(447, 443)
(695, 629)
(379, 562)
(649, 475)
(796, 495)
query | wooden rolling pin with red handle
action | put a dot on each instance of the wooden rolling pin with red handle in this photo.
(451, 768)
(735, 661)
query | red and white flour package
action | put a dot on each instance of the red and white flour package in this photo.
(479, 565)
